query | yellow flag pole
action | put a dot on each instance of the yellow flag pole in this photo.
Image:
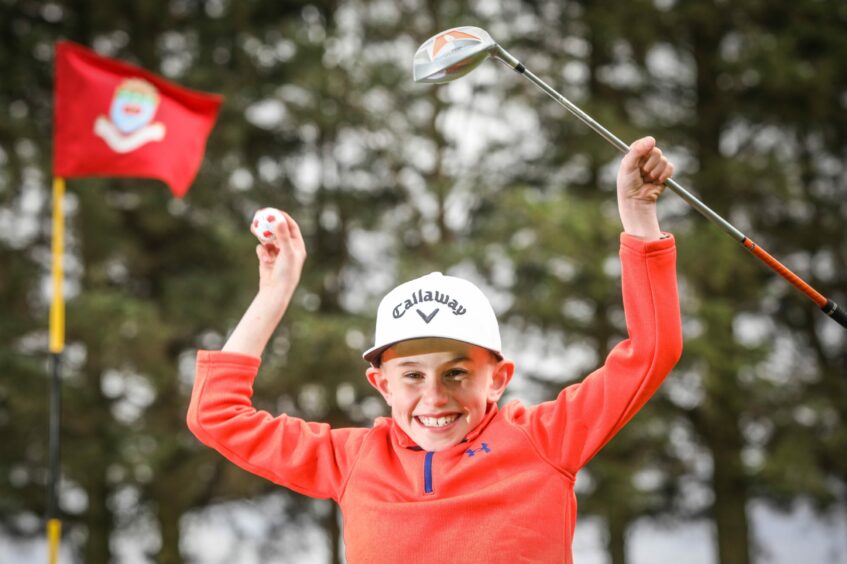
(57, 345)
(57, 307)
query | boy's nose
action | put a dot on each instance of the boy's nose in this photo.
(435, 394)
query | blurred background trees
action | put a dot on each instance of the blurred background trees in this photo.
(484, 178)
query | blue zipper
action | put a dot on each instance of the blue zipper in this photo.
(428, 473)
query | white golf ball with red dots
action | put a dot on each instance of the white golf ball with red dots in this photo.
(264, 224)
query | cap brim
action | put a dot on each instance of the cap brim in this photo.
(374, 352)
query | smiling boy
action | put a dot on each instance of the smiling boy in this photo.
(450, 476)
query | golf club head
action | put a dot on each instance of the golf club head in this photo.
(451, 54)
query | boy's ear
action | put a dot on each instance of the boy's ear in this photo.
(379, 381)
(500, 378)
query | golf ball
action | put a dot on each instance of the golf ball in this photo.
(264, 224)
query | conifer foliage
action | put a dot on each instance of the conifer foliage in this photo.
(483, 178)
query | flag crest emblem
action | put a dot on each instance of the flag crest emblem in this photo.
(134, 104)
(131, 112)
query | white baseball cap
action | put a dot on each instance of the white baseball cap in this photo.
(435, 306)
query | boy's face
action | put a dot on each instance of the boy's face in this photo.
(439, 389)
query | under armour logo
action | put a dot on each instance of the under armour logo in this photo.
(472, 451)
(427, 318)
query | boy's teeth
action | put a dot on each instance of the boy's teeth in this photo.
(437, 421)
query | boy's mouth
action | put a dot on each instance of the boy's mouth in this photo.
(437, 422)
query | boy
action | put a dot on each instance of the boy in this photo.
(450, 477)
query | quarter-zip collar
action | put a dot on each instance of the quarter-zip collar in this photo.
(428, 473)
(402, 439)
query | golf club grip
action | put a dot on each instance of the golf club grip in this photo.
(783, 271)
(837, 313)
(828, 306)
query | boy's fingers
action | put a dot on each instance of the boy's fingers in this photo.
(667, 173)
(654, 159)
(637, 151)
(263, 254)
(659, 170)
(281, 228)
(293, 228)
(643, 146)
(296, 235)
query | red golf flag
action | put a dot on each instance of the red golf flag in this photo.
(115, 119)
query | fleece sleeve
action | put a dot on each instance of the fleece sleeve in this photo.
(570, 430)
(309, 458)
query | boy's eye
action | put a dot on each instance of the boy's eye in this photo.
(457, 373)
(413, 375)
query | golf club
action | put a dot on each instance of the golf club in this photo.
(454, 53)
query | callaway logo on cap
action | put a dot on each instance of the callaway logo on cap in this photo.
(435, 306)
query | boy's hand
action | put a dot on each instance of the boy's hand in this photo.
(641, 177)
(280, 264)
(281, 261)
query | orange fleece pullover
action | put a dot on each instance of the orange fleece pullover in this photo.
(505, 494)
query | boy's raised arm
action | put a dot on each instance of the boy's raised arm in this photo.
(585, 416)
(308, 457)
(280, 265)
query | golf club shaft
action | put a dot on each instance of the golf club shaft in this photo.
(828, 306)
